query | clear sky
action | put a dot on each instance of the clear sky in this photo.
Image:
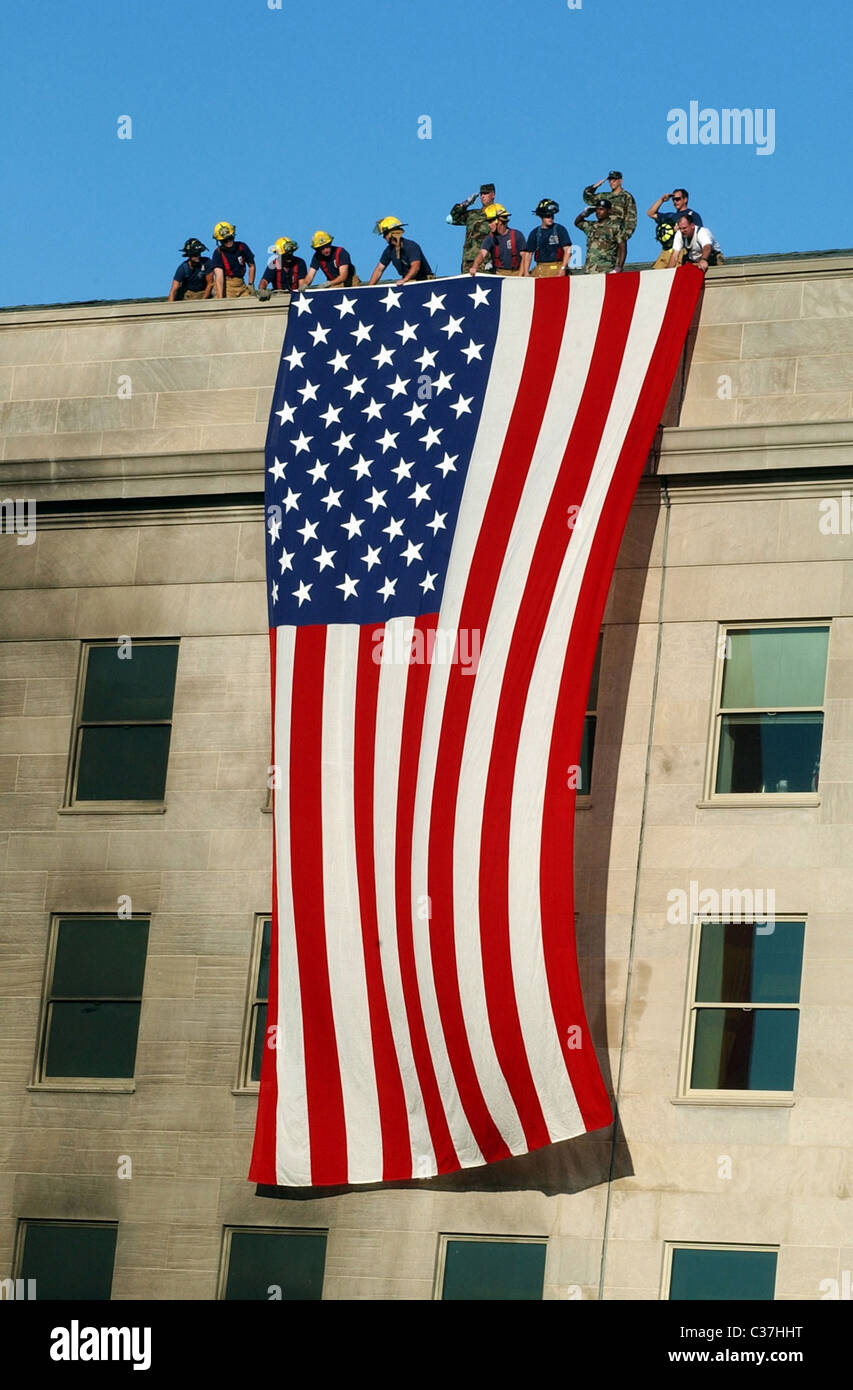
(285, 120)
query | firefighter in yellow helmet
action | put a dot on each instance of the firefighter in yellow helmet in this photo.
(231, 260)
(334, 263)
(285, 272)
(408, 259)
(505, 244)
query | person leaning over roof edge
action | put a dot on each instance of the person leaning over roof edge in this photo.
(665, 222)
(231, 260)
(334, 261)
(193, 278)
(698, 244)
(408, 259)
(284, 271)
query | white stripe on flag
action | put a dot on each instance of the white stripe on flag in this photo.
(292, 1148)
(344, 942)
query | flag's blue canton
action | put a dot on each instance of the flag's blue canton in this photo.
(374, 417)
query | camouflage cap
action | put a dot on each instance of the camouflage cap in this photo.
(614, 174)
(603, 203)
(487, 188)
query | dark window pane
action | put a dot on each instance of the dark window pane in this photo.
(742, 963)
(587, 749)
(769, 752)
(723, 1274)
(745, 1049)
(775, 668)
(259, 1023)
(73, 1261)
(494, 1269)
(592, 697)
(100, 957)
(91, 1039)
(141, 686)
(264, 965)
(123, 764)
(292, 1260)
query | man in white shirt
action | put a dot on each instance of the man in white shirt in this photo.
(698, 243)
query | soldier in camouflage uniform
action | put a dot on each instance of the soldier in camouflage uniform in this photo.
(604, 238)
(622, 203)
(476, 224)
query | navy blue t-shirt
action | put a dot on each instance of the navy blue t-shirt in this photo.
(233, 259)
(287, 275)
(547, 242)
(404, 258)
(502, 245)
(192, 277)
(333, 264)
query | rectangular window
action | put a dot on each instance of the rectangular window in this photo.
(744, 1014)
(263, 1263)
(68, 1259)
(93, 999)
(769, 716)
(493, 1268)
(589, 723)
(123, 723)
(255, 1027)
(721, 1272)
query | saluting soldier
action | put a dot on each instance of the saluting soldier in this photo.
(624, 208)
(605, 246)
(475, 222)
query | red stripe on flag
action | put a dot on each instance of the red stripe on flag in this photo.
(393, 1115)
(556, 870)
(410, 744)
(326, 1120)
(263, 1166)
(543, 349)
(549, 552)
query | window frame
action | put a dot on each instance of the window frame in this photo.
(479, 1238)
(715, 798)
(686, 1094)
(126, 806)
(669, 1246)
(20, 1241)
(40, 1082)
(225, 1250)
(244, 1084)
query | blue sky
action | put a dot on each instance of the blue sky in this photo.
(284, 120)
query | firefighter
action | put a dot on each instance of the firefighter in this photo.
(284, 271)
(231, 260)
(194, 276)
(408, 259)
(505, 244)
(549, 243)
(334, 262)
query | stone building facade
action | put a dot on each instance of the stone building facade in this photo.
(138, 429)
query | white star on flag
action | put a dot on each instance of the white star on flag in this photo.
(435, 302)
(318, 472)
(387, 589)
(431, 437)
(285, 560)
(388, 440)
(391, 298)
(339, 362)
(407, 332)
(462, 406)
(373, 411)
(356, 387)
(346, 306)
(308, 392)
(384, 357)
(302, 593)
(286, 414)
(349, 586)
(372, 556)
(393, 529)
(480, 296)
(397, 387)
(427, 358)
(353, 526)
(343, 441)
(377, 498)
(291, 500)
(301, 444)
(324, 559)
(302, 305)
(319, 334)
(277, 470)
(412, 552)
(362, 332)
(473, 350)
(294, 358)
(452, 326)
(332, 499)
(308, 532)
(331, 415)
(274, 527)
(361, 469)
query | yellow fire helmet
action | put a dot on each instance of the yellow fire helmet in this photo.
(388, 224)
(496, 212)
(285, 246)
(223, 230)
(320, 238)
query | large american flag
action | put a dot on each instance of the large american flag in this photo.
(450, 466)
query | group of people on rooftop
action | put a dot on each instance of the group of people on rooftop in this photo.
(492, 245)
